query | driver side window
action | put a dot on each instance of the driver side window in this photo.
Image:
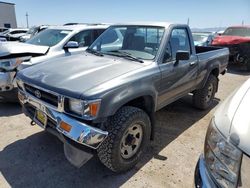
(179, 40)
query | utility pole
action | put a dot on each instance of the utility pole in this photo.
(27, 19)
(188, 21)
(242, 23)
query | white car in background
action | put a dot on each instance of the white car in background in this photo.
(53, 42)
(13, 34)
(32, 32)
(226, 159)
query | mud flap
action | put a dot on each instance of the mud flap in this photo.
(76, 156)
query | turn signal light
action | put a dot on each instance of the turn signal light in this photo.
(65, 126)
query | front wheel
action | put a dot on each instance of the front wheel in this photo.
(203, 97)
(129, 133)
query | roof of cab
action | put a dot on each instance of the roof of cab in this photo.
(80, 26)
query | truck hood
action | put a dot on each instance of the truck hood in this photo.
(229, 40)
(73, 75)
(18, 49)
(232, 117)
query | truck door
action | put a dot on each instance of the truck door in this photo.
(177, 78)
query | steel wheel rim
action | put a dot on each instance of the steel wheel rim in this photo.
(131, 141)
(210, 92)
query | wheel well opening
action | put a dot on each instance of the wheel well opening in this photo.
(215, 72)
(146, 103)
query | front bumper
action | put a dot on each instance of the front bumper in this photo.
(202, 178)
(80, 132)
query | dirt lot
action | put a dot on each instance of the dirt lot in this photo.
(30, 157)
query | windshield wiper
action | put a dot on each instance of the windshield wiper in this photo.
(124, 54)
(97, 53)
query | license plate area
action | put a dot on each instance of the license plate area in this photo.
(41, 118)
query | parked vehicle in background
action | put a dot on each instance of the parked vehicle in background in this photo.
(2, 29)
(220, 32)
(203, 38)
(57, 41)
(104, 99)
(226, 159)
(3, 39)
(13, 34)
(32, 32)
(237, 39)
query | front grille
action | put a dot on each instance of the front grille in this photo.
(44, 96)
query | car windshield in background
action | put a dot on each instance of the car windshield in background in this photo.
(49, 37)
(5, 32)
(141, 42)
(32, 30)
(237, 31)
(200, 37)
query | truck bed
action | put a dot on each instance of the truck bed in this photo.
(210, 56)
(202, 49)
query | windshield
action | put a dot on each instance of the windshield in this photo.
(49, 37)
(200, 37)
(237, 31)
(138, 41)
(32, 30)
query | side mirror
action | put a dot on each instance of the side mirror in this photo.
(182, 55)
(71, 44)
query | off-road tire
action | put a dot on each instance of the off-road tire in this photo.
(109, 151)
(200, 96)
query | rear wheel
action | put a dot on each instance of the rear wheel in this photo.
(203, 98)
(129, 133)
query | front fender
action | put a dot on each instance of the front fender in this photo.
(121, 96)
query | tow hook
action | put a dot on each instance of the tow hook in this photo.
(32, 123)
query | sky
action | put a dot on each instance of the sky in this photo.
(201, 13)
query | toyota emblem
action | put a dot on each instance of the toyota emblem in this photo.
(38, 94)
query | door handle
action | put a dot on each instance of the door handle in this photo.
(192, 63)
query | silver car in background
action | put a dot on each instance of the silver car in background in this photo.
(53, 42)
(203, 38)
(226, 159)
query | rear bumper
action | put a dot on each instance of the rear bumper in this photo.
(79, 132)
(202, 178)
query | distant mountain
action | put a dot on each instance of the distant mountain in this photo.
(211, 29)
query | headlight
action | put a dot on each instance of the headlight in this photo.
(10, 64)
(85, 109)
(222, 158)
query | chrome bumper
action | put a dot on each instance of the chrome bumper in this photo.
(202, 178)
(7, 81)
(79, 132)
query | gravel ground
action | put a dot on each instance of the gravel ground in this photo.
(30, 157)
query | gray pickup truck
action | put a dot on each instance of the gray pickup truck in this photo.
(103, 101)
